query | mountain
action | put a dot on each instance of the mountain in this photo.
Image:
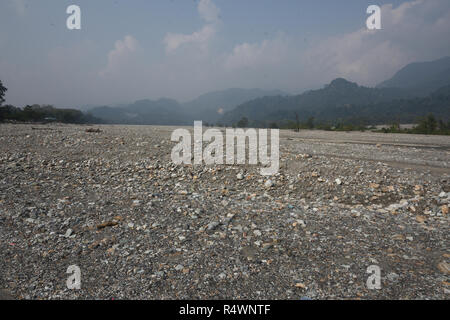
(326, 104)
(412, 92)
(208, 107)
(422, 78)
(409, 110)
(158, 112)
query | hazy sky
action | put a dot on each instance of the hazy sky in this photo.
(135, 49)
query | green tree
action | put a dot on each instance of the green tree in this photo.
(443, 126)
(2, 92)
(9, 112)
(310, 123)
(427, 125)
(243, 123)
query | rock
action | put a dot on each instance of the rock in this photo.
(393, 277)
(212, 226)
(268, 184)
(107, 224)
(222, 276)
(421, 219)
(398, 237)
(159, 274)
(301, 223)
(257, 233)
(444, 267)
(300, 285)
(240, 176)
(136, 203)
(267, 246)
(179, 267)
(68, 233)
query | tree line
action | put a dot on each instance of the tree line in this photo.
(422, 125)
(38, 113)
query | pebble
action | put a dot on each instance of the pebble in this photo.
(212, 226)
(68, 233)
(268, 184)
(179, 267)
(257, 233)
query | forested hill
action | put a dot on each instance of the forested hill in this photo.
(208, 107)
(340, 100)
(422, 78)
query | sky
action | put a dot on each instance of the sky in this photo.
(127, 50)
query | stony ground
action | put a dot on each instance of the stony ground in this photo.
(140, 227)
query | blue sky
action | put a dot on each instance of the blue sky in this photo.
(129, 50)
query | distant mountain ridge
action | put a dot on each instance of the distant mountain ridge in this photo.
(211, 106)
(324, 104)
(415, 90)
(208, 107)
(158, 112)
(422, 78)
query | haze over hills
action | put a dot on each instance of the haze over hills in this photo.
(211, 106)
(344, 101)
(158, 112)
(422, 78)
(414, 91)
(327, 104)
(208, 107)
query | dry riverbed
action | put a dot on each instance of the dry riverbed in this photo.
(140, 227)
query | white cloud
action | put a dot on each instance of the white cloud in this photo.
(208, 12)
(120, 55)
(413, 31)
(173, 41)
(269, 52)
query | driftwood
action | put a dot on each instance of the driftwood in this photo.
(93, 130)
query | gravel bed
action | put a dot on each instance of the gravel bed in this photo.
(140, 227)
